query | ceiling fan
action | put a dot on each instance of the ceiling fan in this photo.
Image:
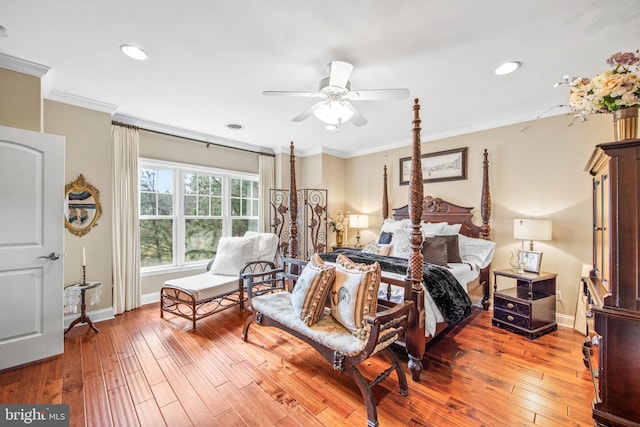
(335, 93)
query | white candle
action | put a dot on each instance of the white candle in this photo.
(84, 257)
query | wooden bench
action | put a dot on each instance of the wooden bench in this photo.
(341, 348)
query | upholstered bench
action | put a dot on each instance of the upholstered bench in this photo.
(202, 295)
(326, 332)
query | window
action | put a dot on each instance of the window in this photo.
(184, 210)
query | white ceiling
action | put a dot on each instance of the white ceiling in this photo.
(211, 60)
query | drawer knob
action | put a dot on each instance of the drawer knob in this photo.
(510, 318)
(510, 305)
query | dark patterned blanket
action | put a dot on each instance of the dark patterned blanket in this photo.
(446, 292)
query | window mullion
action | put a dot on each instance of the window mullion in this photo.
(179, 217)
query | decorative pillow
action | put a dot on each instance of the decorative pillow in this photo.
(434, 250)
(267, 246)
(451, 229)
(312, 287)
(370, 248)
(401, 244)
(355, 294)
(453, 251)
(232, 254)
(393, 225)
(476, 251)
(385, 238)
(384, 250)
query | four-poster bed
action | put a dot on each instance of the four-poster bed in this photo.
(408, 275)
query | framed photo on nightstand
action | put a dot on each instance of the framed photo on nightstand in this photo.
(532, 261)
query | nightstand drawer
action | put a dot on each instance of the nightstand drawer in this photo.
(523, 308)
(510, 317)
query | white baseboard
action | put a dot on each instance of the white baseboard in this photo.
(150, 298)
(564, 320)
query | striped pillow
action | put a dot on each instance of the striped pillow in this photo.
(355, 294)
(312, 287)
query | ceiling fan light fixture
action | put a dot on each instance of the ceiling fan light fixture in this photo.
(332, 128)
(507, 68)
(134, 52)
(333, 112)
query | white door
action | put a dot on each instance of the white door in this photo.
(31, 228)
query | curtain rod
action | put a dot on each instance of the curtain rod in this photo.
(208, 143)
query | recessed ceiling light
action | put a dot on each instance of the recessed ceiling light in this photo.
(507, 68)
(134, 52)
(235, 126)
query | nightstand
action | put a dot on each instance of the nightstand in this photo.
(528, 308)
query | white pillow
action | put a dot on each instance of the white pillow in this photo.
(394, 225)
(430, 229)
(401, 244)
(476, 251)
(233, 253)
(451, 229)
(267, 245)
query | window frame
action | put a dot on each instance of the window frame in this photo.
(179, 170)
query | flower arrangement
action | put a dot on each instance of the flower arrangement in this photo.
(608, 91)
(338, 223)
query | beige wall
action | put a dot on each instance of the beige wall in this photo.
(21, 105)
(88, 152)
(536, 170)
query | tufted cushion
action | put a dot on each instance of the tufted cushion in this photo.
(311, 289)
(354, 294)
(232, 254)
(434, 250)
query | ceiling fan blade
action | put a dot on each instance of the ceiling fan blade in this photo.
(290, 93)
(308, 112)
(340, 73)
(357, 119)
(377, 94)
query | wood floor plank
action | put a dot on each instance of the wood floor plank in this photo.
(163, 394)
(138, 387)
(152, 371)
(149, 414)
(175, 415)
(123, 411)
(98, 413)
(111, 367)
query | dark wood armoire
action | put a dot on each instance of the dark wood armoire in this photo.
(614, 283)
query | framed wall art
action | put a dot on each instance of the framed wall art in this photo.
(447, 165)
(82, 206)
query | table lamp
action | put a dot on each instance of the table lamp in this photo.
(531, 229)
(358, 222)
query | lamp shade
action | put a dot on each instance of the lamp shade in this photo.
(532, 229)
(358, 221)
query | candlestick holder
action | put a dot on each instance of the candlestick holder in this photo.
(84, 274)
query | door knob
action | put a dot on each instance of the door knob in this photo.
(52, 256)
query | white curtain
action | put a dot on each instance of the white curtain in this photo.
(126, 232)
(266, 169)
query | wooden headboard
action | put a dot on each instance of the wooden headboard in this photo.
(435, 209)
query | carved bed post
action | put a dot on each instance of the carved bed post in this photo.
(485, 201)
(416, 340)
(293, 207)
(385, 197)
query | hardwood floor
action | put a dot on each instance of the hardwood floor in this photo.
(142, 370)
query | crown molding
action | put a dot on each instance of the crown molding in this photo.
(23, 66)
(188, 134)
(79, 101)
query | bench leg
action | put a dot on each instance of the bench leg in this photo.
(367, 396)
(247, 323)
(402, 377)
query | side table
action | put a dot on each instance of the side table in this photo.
(529, 308)
(84, 317)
